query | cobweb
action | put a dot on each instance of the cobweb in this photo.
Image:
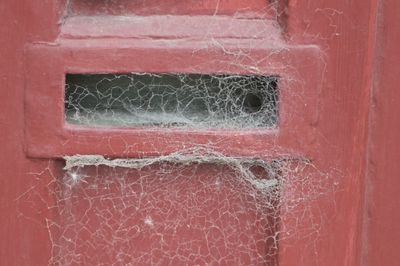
(192, 207)
(172, 100)
(196, 206)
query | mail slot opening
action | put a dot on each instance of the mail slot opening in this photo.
(172, 100)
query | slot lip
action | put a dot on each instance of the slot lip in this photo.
(220, 132)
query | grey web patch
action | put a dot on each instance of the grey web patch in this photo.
(131, 211)
(172, 100)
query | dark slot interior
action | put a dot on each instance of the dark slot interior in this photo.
(172, 100)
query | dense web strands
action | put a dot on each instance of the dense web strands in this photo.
(172, 100)
(193, 207)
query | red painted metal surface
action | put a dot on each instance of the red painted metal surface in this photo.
(381, 214)
(32, 130)
(346, 32)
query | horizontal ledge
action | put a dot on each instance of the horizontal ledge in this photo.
(169, 27)
(221, 132)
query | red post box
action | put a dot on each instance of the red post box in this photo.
(186, 133)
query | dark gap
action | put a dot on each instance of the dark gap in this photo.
(172, 100)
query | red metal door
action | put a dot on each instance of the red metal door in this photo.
(179, 133)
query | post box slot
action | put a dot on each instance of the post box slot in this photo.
(171, 100)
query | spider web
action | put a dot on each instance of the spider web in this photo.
(196, 206)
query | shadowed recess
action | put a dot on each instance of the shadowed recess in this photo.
(172, 100)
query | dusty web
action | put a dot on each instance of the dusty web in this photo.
(192, 207)
(168, 100)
